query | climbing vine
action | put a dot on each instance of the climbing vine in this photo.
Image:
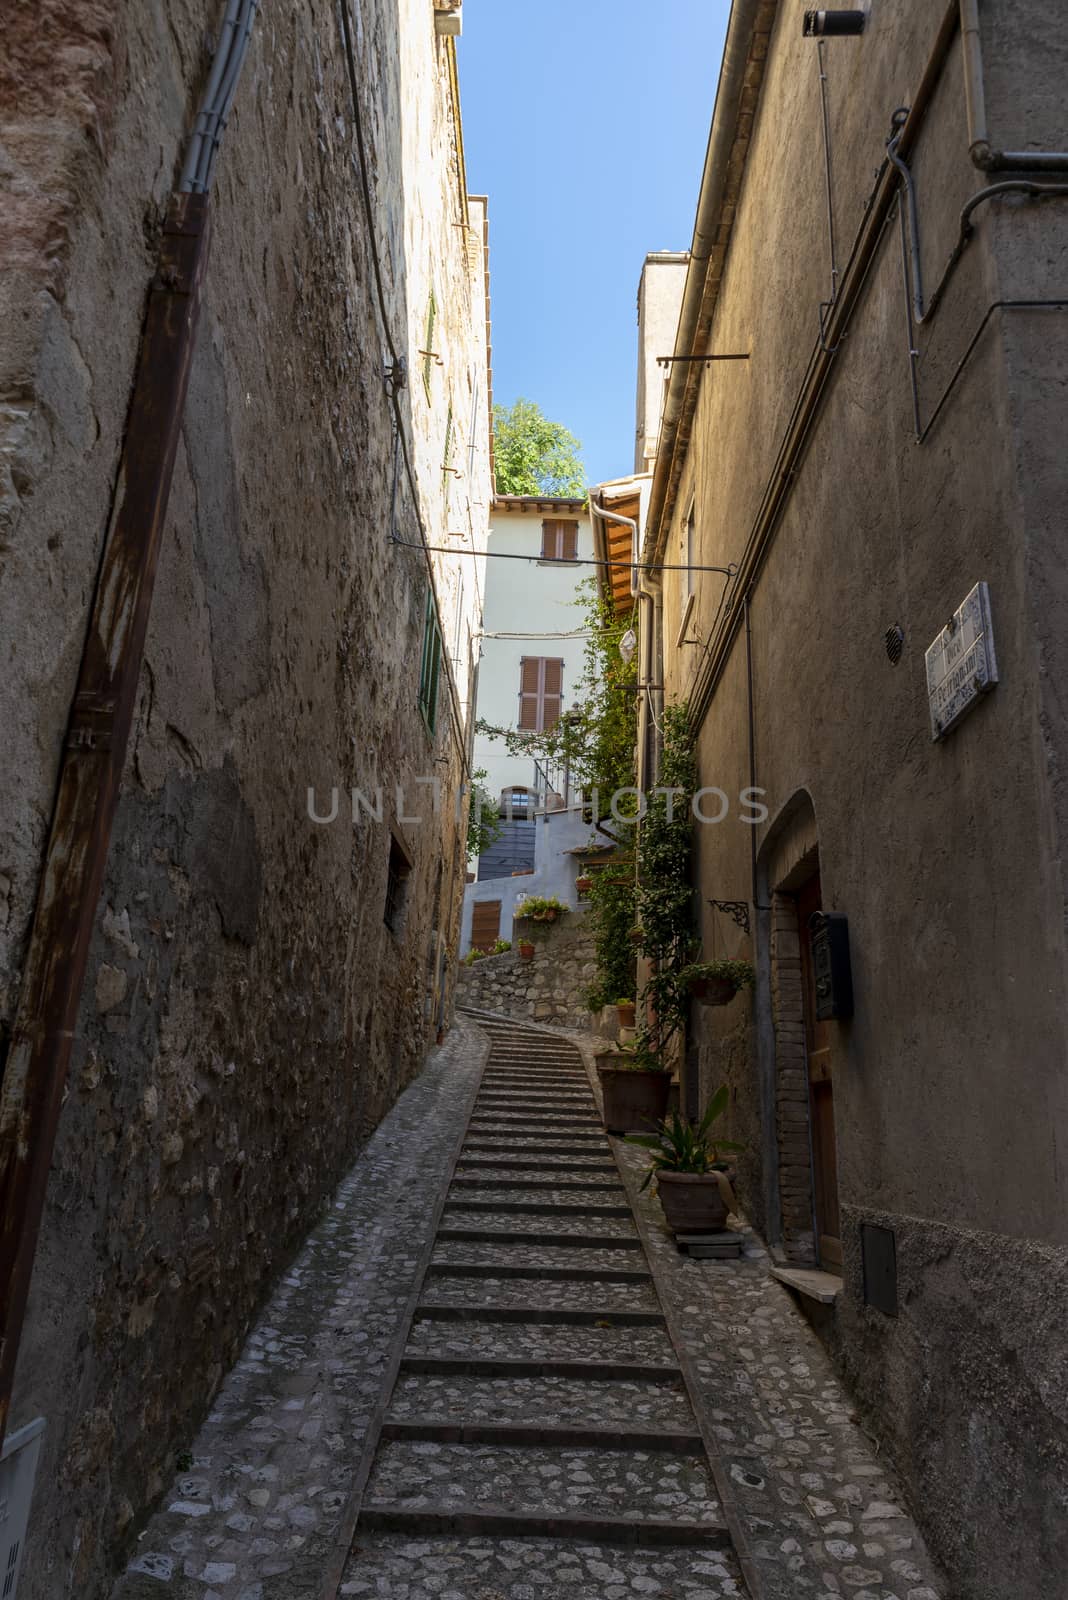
(664, 894)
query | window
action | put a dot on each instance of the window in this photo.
(427, 352)
(541, 689)
(397, 874)
(430, 668)
(559, 540)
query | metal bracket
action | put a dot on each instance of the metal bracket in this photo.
(706, 361)
(737, 910)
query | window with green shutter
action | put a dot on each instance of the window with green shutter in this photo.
(430, 669)
(428, 347)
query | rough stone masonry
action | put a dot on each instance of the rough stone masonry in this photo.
(247, 1017)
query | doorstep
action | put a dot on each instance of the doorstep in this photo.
(824, 1287)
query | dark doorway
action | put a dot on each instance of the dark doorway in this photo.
(820, 1094)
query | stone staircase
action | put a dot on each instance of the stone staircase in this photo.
(539, 1440)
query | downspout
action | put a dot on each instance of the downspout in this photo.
(706, 228)
(979, 147)
(101, 714)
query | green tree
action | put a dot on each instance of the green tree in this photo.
(533, 455)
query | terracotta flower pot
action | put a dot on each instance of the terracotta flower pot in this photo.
(583, 884)
(713, 991)
(626, 1014)
(635, 1101)
(694, 1202)
(526, 950)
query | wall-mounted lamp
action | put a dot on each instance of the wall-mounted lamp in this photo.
(831, 24)
(628, 644)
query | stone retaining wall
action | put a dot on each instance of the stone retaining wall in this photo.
(550, 988)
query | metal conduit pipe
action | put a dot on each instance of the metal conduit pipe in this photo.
(983, 155)
(206, 111)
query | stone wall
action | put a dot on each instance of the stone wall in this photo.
(946, 857)
(248, 1017)
(550, 988)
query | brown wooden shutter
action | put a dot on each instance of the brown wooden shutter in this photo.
(552, 692)
(529, 692)
(570, 541)
(485, 924)
(548, 540)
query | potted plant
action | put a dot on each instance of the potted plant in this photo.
(526, 950)
(583, 883)
(715, 983)
(691, 1177)
(635, 1084)
(542, 908)
(625, 1010)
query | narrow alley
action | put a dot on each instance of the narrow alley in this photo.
(490, 1375)
(533, 821)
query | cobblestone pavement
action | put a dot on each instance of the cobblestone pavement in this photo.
(257, 1515)
(539, 1423)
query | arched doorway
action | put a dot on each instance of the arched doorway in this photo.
(803, 1046)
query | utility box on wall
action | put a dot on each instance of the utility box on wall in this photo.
(18, 1466)
(831, 967)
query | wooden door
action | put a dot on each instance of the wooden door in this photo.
(820, 1095)
(485, 924)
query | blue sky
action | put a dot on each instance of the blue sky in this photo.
(585, 121)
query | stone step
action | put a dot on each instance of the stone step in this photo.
(660, 1475)
(499, 1522)
(600, 1371)
(531, 1236)
(523, 1257)
(605, 1345)
(560, 1144)
(621, 1409)
(684, 1441)
(592, 1299)
(498, 1271)
(556, 1161)
(522, 1208)
(580, 1186)
(527, 1316)
(388, 1564)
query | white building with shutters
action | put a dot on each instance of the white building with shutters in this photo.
(530, 672)
(533, 641)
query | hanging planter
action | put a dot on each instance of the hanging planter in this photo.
(715, 983)
(584, 883)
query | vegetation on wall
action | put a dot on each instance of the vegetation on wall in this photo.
(664, 895)
(595, 738)
(484, 825)
(533, 455)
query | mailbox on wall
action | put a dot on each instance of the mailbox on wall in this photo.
(831, 970)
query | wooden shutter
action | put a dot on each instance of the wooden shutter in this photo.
(529, 693)
(552, 692)
(485, 924)
(559, 540)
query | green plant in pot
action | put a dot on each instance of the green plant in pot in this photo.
(625, 1010)
(691, 1175)
(715, 983)
(542, 907)
(635, 1084)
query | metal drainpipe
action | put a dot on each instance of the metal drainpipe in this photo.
(979, 147)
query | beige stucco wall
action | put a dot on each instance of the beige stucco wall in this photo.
(659, 297)
(951, 1095)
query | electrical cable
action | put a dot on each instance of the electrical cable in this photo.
(198, 168)
(578, 561)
